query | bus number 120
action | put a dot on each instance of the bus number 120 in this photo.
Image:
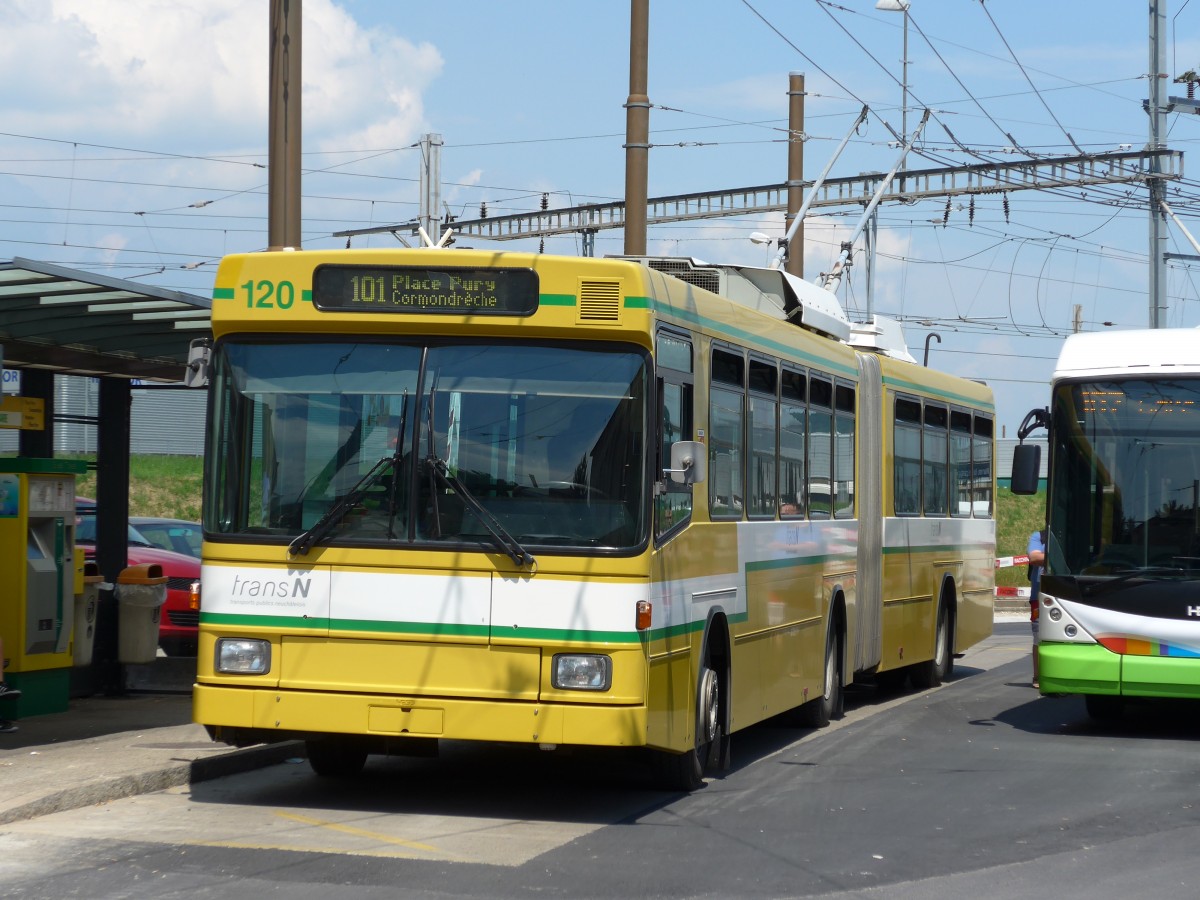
(269, 294)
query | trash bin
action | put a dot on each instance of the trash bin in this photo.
(85, 613)
(141, 593)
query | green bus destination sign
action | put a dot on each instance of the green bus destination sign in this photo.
(412, 289)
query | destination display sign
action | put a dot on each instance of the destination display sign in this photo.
(411, 289)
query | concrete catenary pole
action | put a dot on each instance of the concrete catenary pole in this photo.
(431, 185)
(795, 173)
(283, 141)
(637, 130)
(1155, 182)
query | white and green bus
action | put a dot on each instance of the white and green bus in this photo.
(1119, 607)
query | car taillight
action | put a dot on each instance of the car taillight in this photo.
(194, 596)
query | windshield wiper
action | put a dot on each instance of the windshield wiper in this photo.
(334, 514)
(504, 540)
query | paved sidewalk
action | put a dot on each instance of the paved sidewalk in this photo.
(105, 748)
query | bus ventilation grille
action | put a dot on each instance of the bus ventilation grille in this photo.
(600, 301)
(686, 270)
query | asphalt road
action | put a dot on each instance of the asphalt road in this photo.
(980, 787)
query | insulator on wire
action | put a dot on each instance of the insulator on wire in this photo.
(1006, 207)
(545, 201)
(542, 245)
(971, 211)
(483, 210)
(946, 212)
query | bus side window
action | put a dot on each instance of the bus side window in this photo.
(960, 463)
(981, 467)
(761, 492)
(934, 451)
(906, 472)
(727, 434)
(793, 428)
(820, 448)
(843, 445)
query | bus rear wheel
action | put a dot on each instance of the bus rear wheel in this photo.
(336, 757)
(935, 671)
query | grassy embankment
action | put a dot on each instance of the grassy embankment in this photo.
(170, 486)
(159, 485)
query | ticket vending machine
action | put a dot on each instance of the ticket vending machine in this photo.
(39, 578)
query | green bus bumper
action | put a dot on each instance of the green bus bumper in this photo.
(1091, 669)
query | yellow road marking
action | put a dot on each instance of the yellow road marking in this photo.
(359, 832)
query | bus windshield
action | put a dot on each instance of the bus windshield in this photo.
(1124, 496)
(349, 442)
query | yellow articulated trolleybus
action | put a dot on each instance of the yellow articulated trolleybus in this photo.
(455, 494)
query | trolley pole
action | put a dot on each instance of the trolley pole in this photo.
(283, 141)
(637, 129)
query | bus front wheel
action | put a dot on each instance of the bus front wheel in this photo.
(685, 771)
(1104, 707)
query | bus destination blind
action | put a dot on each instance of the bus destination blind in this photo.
(408, 289)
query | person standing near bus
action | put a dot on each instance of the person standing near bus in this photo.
(1037, 558)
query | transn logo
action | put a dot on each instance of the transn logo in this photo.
(1193, 610)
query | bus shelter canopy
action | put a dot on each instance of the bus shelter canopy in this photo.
(78, 323)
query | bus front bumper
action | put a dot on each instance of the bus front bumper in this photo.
(268, 715)
(1091, 669)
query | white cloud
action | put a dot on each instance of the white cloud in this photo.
(166, 72)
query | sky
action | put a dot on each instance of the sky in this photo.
(133, 142)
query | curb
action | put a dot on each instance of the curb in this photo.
(192, 772)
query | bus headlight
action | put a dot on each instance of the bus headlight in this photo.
(581, 672)
(242, 656)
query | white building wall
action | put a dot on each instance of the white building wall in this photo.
(162, 421)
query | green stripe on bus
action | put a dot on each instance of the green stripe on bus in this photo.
(424, 629)
(795, 561)
(934, 548)
(637, 302)
(657, 634)
(211, 618)
(306, 296)
(691, 317)
(902, 385)
(437, 629)
(557, 300)
(222, 293)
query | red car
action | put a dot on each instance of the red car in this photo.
(180, 623)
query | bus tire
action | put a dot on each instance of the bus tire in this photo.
(685, 771)
(1104, 707)
(933, 672)
(831, 704)
(336, 757)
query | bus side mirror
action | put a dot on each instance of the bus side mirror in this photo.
(1026, 468)
(689, 464)
(195, 374)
